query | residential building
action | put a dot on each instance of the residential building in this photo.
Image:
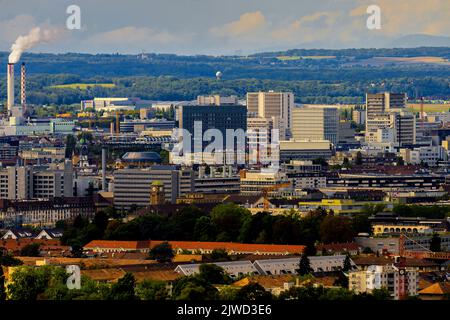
(234, 269)
(291, 265)
(424, 155)
(37, 182)
(400, 282)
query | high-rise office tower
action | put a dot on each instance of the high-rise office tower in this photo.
(384, 102)
(276, 105)
(315, 123)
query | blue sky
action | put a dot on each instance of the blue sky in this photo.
(221, 26)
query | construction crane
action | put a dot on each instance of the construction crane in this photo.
(424, 254)
(266, 190)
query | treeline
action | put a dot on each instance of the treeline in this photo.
(226, 222)
(350, 90)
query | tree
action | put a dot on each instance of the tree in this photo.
(304, 266)
(204, 229)
(162, 252)
(253, 292)
(367, 250)
(219, 255)
(101, 221)
(124, 288)
(71, 142)
(381, 294)
(435, 244)
(347, 266)
(213, 274)
(193, 288)
(228, 219)
(30, 283)
(335, 229)
(359, 158)
(341, 280)
(346, 163)
(30, 250)
(361, 223)
(152, 290)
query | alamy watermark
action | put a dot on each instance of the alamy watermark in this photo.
(73, 22)
(374, 20)
(238, 147)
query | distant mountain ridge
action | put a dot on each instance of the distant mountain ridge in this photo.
(420, 40)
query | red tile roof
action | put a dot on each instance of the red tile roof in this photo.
(113, 244)
(196, 245)
(15, 245)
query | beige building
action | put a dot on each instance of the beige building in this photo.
(272, 105)
(315, 122)
(255, 182)
(305, 150)
(216, 100)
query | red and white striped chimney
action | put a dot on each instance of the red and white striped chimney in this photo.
(23, 87)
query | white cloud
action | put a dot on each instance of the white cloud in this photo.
(134, 36)
(248, 24)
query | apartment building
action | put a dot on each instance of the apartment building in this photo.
(315, 122)
(400, 282)
(428, 155)
(37, 182)
(132, 185)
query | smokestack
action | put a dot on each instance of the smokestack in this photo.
(23, 87)
(104, 169)
(10, 86)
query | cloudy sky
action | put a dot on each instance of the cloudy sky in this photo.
(223, 26)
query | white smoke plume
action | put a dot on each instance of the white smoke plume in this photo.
(33, 38)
